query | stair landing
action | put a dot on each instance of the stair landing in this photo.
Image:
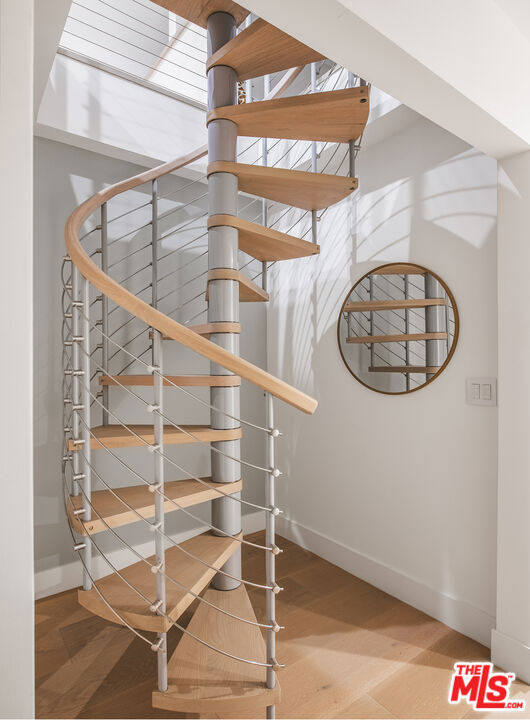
(206, 682)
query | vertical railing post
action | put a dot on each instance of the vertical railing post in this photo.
(434, 322)
(104, 315)
(76, 368)
(223, 303)
(159, 521)
(84, 409)
(351, 143)
(407, 330)
(264, 205)
(270, 541)
(248, 84)
(157, 408)
(154, 243)
(447, 324)
(314, 157)
(372, 318)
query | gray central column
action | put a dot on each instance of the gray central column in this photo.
(223, 294)
(436, 350)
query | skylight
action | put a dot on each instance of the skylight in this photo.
(139, 40)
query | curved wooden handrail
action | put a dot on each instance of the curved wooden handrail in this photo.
(156, 319)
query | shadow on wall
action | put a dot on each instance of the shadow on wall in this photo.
(380, 475)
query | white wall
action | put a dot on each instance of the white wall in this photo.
(98, 111)
(511, 637)
(398, 490)
(64, 177)
(402, 48)
(16, 289)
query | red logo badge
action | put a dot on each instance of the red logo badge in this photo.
(481, 687)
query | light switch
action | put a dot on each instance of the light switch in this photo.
(485, 391)
(481, 391)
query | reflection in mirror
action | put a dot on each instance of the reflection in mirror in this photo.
(398, 328)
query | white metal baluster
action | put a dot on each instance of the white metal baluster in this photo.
(314, 156)
(76, 393)
(84, 449)
(407, 331)
(104, 314)
(264, 206)
(158, 432)
(447, 325)
(372, 319)
(351, 143)
(270, 557)
(158, 427)
(248, 83)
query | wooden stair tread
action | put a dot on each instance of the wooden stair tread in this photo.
(248, 290)
(203, 681)
(305, 190)
(208, 329)
(335, 116)
(404, 369)
(399, 269)
(116, 436)
(397, 338)
(264, 243)
(198, 11)
(262, 49)
(363, 306)
(216, 327)
(110, 511)
(170, 380)
(191, 573)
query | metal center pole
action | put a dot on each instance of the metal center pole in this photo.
(407, 331)
(434, 322)
(104, 315)
(223, 305)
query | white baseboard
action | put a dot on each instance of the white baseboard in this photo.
(457, 614)
(510, 655)
(68, 576)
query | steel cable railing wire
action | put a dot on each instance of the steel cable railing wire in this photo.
(127, 57)
(152, 565)
(149, 604)
(143, 480)
(138, 47)
(168, 499)
(166, 380)
(167, 459)
(181, 428)
(165, 17)
(166, 46)
(161, 532)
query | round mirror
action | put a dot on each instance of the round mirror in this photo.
(398, 328)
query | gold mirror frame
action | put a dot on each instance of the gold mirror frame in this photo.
(424, 270)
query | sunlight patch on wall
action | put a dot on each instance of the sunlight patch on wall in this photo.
(453, 197)
(384, 223)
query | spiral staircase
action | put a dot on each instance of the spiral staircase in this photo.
(223, 665)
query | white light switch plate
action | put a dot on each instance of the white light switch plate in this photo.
(481, 391)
